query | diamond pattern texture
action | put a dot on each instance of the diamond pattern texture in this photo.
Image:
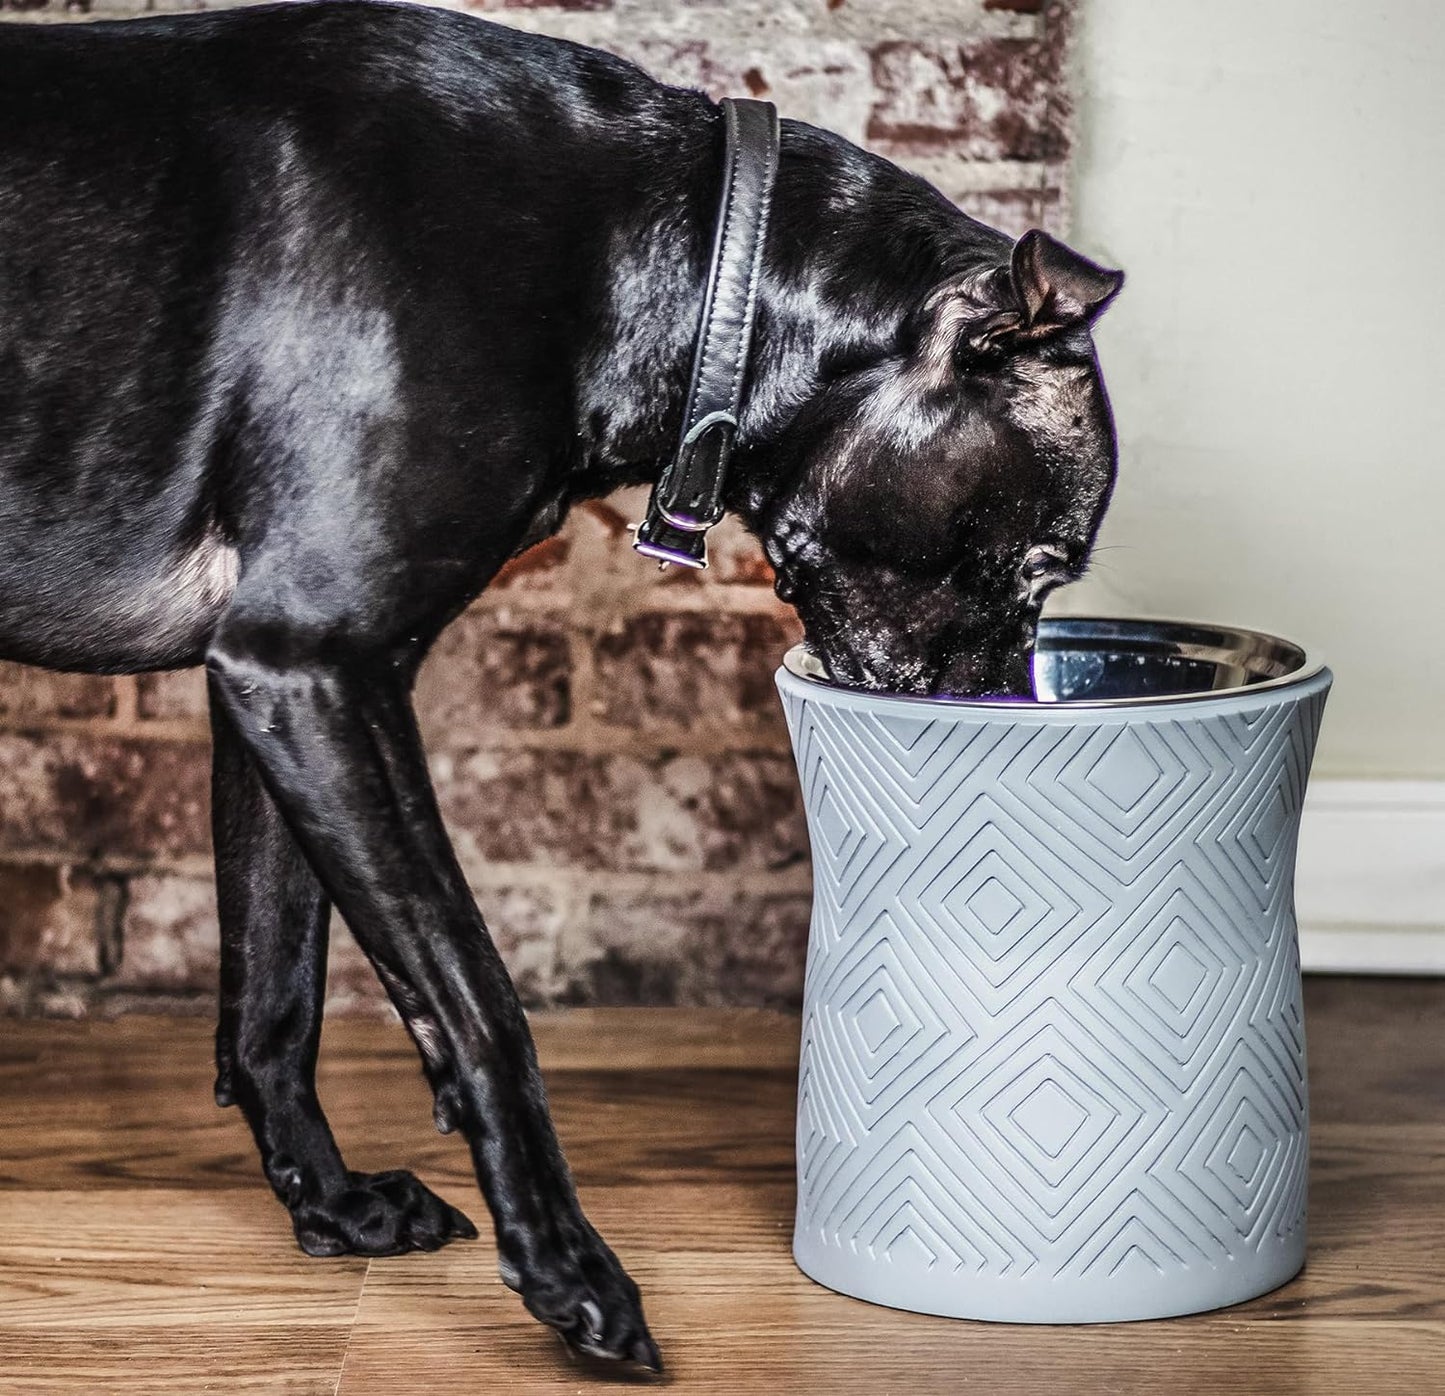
(1053, 1049)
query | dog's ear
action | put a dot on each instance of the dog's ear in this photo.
(1057, 287)
(1046, 288)
(969, 316)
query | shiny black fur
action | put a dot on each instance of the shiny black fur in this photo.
(310, 318)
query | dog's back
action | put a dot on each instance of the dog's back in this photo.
(291, 222)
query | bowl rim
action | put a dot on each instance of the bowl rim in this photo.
(800, 662)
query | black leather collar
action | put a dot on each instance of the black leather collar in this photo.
(688, 497)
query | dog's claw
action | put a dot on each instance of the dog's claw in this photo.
(645, 1354)
(588, 1298)
(378, 1214)
(593, 1315)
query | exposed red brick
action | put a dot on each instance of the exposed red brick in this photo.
(537, 4)
(16, 995)
(756, 83)
(491, 670)
(536, 568)
(691, 63)
(172, 944)
(681, 578)
(991, 99)
(116, 1003)
(697, 947)
(96, 795)
(688, 667)
(525, 923)
(170, 941)
(612, 519)
(749, 568)
(735, 557)
(67, 999)
(181, 694)
(351, 984)
(556, 4)
(26, 692)
(664, 813)
(1013, 211)
(51, 920)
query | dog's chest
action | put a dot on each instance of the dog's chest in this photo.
(157, 615)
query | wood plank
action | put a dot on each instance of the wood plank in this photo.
(1376, 1049)
(187, 1359)
(733, 1314)
(164, 1290)
(140, 1251)
(147, 1256)
(76, 1116)
(567, 1039)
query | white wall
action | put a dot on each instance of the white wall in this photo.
(1271, 175)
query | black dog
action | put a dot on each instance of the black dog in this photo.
(310, 318)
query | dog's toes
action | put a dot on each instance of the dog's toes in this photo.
(430, 1221)
(461, 1226)
(320, 1243)
(379, 1214)
(584, 1293)
(645, 1354)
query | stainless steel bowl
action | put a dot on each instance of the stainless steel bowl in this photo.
(1092, 662)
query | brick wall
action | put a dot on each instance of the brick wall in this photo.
(606, 741)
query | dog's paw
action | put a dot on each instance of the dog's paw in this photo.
(378, 1214)
(582, 1291)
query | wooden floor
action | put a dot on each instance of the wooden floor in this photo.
(140, 1251)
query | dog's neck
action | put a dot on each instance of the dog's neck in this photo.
(843, 225)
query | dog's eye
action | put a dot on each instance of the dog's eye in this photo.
(1040, 562)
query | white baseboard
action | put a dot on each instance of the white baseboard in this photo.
(1370, 886)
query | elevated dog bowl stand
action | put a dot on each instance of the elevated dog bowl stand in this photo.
(1053, 1059)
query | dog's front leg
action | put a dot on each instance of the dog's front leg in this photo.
(274, 919)
(338, 746)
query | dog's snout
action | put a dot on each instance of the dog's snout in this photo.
(892, 666)
(1006, 673)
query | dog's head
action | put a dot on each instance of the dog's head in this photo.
(928, 499)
